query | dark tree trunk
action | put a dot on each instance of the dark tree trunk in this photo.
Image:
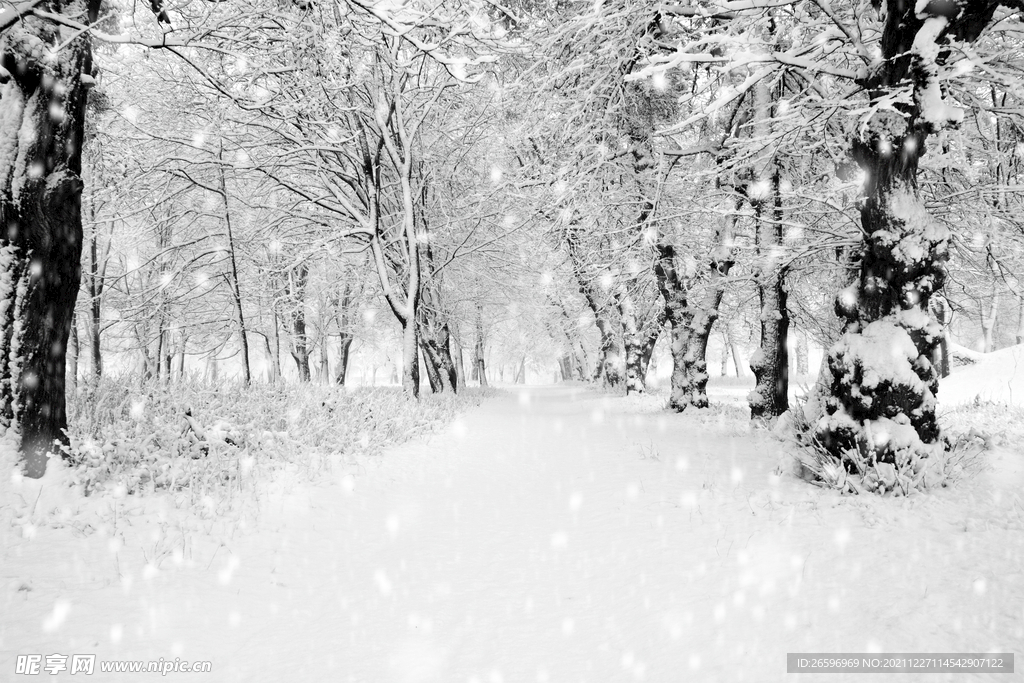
(704, 314)
(885, 314)
(435, 336)
(770, 363)
(609, 356)
(297, 280)
(460, 368)
(42, 106)
(433, 372)
(341, 369)
(677, 314)
(647, 350)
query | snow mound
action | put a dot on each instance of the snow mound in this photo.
(996, 377)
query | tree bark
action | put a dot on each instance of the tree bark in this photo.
(885, 313)
(704, 314)
(802, 360)
(673, 289)
(73, 350)
(42, 107)
(479, 367)
(460, 368)
(770, 364)
(297, 279)
(633, 341)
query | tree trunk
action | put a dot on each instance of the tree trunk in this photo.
(1020, 321)
(297, 279)
(677, 314)
(96, 286)
(633, 341)
(275, 356)
(609, 357)
(460, 368)
(42, 107)
(479, 367)
(882, 388)
(324, 370)
(73, 350)
(704, 314)
(988, 320)
(802, 360)
(341, 369)
(432, 369)
(737, 354)
(236, 291)
(770, 363)
(410, 359)
(726, 348)
(181, 356)
(939, 308)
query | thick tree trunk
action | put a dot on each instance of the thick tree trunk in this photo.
(881, 403)
(42, 107)
(633, 341)
(677, 314)
(410, 359)
(705, 313)
(770, 363)
(690, 341)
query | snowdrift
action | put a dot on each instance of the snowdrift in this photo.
(996, 377)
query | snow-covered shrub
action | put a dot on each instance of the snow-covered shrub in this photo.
(881, 405)
(187, 436)
(859, 470)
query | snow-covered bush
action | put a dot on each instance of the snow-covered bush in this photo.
(136, 438)
(859, 470)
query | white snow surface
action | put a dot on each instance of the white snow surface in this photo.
(554, 534)
(996, 377)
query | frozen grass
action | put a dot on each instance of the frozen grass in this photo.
(203, 440)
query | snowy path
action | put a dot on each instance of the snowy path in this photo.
(552, 535)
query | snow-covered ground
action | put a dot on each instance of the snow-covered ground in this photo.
(996, 377)
(555, 534)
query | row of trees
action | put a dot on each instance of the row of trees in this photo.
(572, 180)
